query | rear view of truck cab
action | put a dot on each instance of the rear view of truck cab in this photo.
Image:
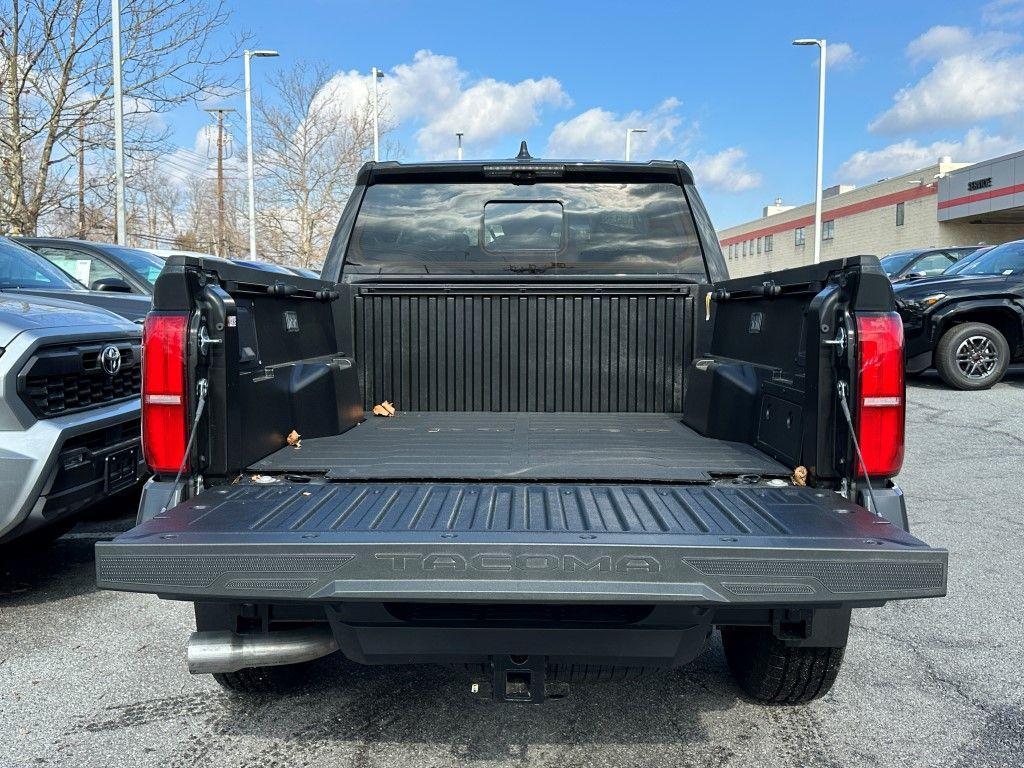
(603, 449)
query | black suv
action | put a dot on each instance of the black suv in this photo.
(969, 326)
(923, 262)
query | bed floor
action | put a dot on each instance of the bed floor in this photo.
(464, 445)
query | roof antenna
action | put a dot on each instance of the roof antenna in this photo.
(524, 153)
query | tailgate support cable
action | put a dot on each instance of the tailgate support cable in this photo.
(201, 389)
(841, 388)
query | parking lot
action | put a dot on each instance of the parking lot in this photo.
(98, 678)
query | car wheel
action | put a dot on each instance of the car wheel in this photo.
(972, 356)
(772, 672)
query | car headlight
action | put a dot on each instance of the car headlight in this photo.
(929, 301)
(920, 305)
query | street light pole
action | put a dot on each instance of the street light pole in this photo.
(821, 140)
(629, 136)
(121, 236)
(459, 149)
(376, 75)
(246, 57)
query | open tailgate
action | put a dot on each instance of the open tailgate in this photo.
(523, 543)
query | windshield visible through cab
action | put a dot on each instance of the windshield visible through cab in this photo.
(22, 268)
(544, 228)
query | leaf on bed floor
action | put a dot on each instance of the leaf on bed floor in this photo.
(294, 439)
(384, 409)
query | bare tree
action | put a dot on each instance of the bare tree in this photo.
(193, 222)
(55, 73)
(309, 146)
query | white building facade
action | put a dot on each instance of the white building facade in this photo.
(945, 204)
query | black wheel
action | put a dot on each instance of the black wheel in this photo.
(972, 356)
(263, 680)
(773, 673)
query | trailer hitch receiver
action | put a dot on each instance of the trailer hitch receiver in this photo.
(519, 678)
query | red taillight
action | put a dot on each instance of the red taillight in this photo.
(882, 393)
(164, 401)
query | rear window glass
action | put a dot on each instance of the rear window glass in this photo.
(546, 228)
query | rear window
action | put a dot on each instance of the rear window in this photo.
(546, 228)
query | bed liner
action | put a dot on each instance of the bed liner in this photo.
(461, 445)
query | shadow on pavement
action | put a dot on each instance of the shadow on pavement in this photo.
(1014, 378)
(37, 569)
(347, 702)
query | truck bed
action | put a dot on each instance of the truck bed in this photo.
(450, 445)
(730, 543)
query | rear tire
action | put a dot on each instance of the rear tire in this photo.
(972, 356)
(263, 680)
(773, 673)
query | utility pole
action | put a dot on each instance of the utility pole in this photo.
(376, 75)
(122, 225)
(459, 148)
(221, 239)
(81, 177)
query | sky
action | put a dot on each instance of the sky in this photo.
(717, 85)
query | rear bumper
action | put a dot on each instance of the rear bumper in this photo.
(751, 546)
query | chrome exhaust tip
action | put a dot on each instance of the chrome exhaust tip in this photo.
(209, 652)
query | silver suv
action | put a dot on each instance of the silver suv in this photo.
(70, 376)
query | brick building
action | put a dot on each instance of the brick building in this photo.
(944, 204)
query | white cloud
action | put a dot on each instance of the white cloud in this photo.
(959, 90)
(943, 40)
(488, 111)
(841, 56)
(600, 134)
(908, 155)
(435, 95)
(1003, 12)
(724, 171)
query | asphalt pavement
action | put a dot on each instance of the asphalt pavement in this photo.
(91, 678)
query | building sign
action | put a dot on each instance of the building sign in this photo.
(974, 186)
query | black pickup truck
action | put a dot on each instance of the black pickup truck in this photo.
(604, 448)
(968, 325)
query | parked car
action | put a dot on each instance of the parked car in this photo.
(959, 266)
(100, 266)
(70, 377)
(281, 269)
(165, 253)
(604, 447)
(922, 262)
(969, 325)
(28, 273)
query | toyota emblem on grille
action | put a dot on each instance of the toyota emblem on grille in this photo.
(110, 359)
